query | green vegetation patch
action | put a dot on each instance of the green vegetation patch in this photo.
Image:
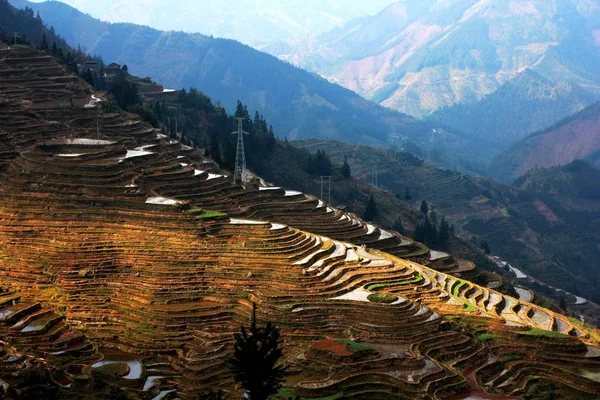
(385, 298)
(511, 357)
(489, 336)
(457, 287)
(376, 286)
(208, 214)
(542, 333)
(288, 394)
(354, 346)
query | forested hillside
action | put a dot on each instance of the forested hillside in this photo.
(553, 238)
(298, 104)
(29, 29)
(525, 104)
(575, 137)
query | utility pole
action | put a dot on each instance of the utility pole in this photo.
(16, 35)
(328, 188)
(98, 129)
(240, 174)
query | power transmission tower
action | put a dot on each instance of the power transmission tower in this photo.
(328, 188)
(374, 175)
(240, 174)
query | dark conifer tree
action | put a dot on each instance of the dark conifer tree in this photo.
(398, 226)
(371, 210)
(562, 304)
(444, 234)
(239, 110)
(424, 207)
(485, 246)
(54, 49)
(213, 149)
(44, 46)
(255, 358)
(407, 195)
(346, 172)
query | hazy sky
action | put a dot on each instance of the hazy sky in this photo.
(250, 21)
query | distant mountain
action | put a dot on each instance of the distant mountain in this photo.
(525, 104)
(576, 137)
(242, 20)
(418, 57)
(298, 103)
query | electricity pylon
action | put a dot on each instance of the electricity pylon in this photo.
(328, 188)
(240, 174)
(374, 174)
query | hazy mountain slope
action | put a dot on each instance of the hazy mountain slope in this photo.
(418, 57)
(298, 103)
(241, 20)
(553, 238)
(577, 137)
(523, 105)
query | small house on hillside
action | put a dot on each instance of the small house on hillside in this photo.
(112, 69)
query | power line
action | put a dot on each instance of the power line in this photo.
(240, 174)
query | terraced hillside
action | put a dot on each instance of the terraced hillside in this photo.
(127, 254)
(560, 235)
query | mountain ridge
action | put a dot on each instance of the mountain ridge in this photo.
(229, 71)
(575, 137)
(464, 35)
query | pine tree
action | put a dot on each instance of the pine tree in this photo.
(407, 195)
(346, 172)
(424, 207)
(157, 110)
(398, 226)
(444, 233)
(562, 304)
(213, 149)
(485, 246)
(239, 110)
(371, 210)
(44, 46)
(255, 358)
(54, 49)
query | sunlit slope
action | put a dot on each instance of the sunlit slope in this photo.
(145, 246)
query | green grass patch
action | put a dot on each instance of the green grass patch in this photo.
(288, 394)
(511, 357)
(208, 214)
(354, 346)
(376, 286)
(489, 336)
(457, 287)
(576, 322)
(64, 104)
(542, 333)
(384, 298)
